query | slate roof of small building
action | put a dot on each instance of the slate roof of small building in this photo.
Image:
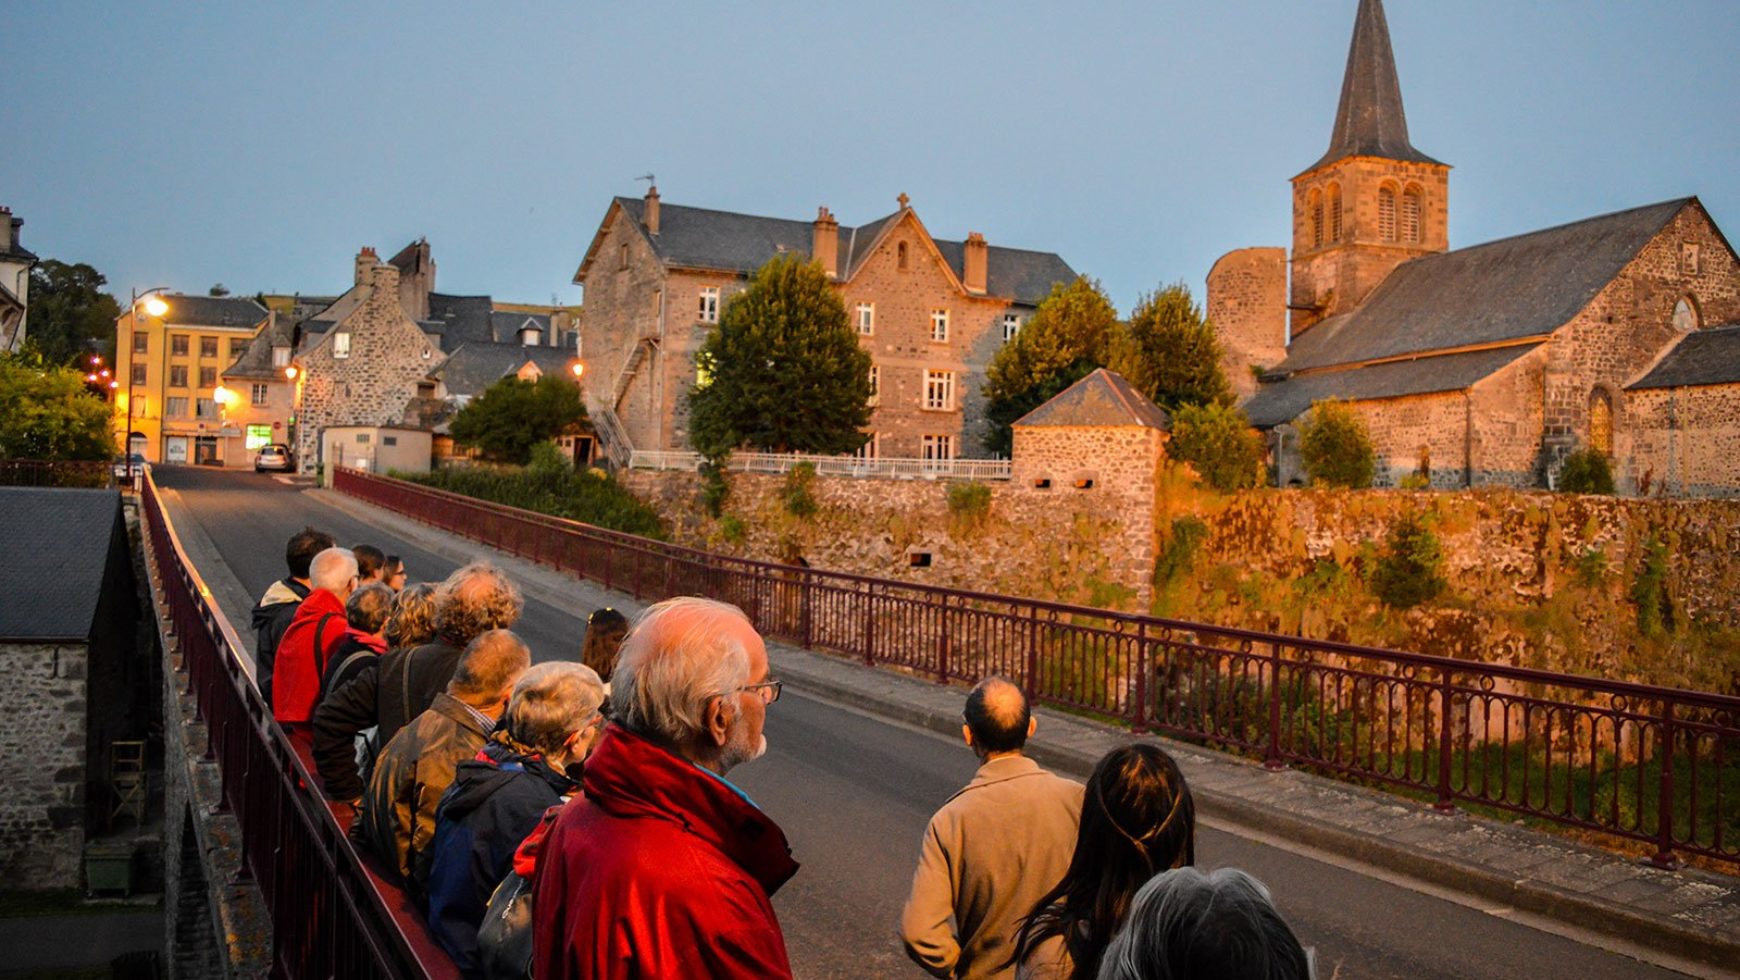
(1369, 121)
(256, 359)
(57, 544)
(505, 325)
(1703, 357)
(1103, 398)
(475, 366)
(212, 311)
(464, 319)
(706, 239)
(1517, 287)
(1282, 401)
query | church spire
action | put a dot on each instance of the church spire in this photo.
(1370, 120)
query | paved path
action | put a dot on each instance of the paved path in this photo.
(855, 767)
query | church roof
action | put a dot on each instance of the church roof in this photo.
(1703, 357)
(1370, 120)
(1505, 290)
(1283, 401)
(1100, 399)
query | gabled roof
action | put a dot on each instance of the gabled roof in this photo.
(1103, 398)
(1507, 290)
(505, 325)
(1370, 121)
(256, 360)
(58, 545)
(464, 319)
(475, 366)
(212, 311)
(1283, 401)
(1703, 357)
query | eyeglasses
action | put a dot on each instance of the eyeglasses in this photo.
(768, 691)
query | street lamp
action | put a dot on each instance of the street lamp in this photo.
(578, 367)
(154, 306)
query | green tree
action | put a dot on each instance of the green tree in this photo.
(46, 412)
(1586, 471)
(513, 415)
(1217, 441)
(783, 371)
(1408, 570)
(1334, 446)
(1170, 353)
(1073, 331)
(70, 313)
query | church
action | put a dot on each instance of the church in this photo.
(1485, 365)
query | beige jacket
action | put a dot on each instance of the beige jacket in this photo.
(988, 855)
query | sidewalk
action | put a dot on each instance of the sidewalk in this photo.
(1690, 915)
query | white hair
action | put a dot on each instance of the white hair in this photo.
(678, 655)
(551, 702)
(1184, 923)
(332, 570)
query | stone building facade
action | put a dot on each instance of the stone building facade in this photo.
(16, 261)
(930, 312)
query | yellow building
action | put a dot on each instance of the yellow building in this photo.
(170, 368)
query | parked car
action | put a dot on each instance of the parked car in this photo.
(121, 465)
(273, 456)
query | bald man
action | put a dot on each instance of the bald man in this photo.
(993, 849)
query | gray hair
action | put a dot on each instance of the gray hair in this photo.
(368, 607)
(1184, 924)
(674, 659)
(476, 598)
(332, 570)
(551, 702)
(490, 664)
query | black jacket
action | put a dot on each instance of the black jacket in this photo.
(402, 686)
(272, 616)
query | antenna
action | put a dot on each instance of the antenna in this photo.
(649, 178)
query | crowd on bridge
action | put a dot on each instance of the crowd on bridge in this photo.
(576, 818)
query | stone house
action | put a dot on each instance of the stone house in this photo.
(930, 312)
(1481, 365)
(16, 261)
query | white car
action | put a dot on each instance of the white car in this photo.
(273, 456)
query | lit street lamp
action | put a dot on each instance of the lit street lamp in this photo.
(154, 306)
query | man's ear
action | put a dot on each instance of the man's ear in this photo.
(1032, 725)
(967, 735)
(716, 722)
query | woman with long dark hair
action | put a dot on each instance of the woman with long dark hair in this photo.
(1137, 820)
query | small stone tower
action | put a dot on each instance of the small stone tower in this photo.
(1373, 201)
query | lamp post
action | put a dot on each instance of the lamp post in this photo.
(155, 306)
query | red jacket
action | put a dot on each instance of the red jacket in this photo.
(660, 870)
(297, 671)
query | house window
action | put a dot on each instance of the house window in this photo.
(237, 345)
(1411, 215)
(280, 357)
(875, 385)
(709, 304)
(208, 347)
(866, 318)
(389, 440)
(1601, 423)
(938, 449)
(139, 374)
(362, 437)
(1316, 219)
(178, 345)
(1387, 213)
(341, 344)
(257, 394)
(1689, 258)
(141, 342)
(204, 408)
(939, 391)
(175, 407)
(1335, 212)
(939, 325)
(207, 377)
(1011, 326)
(177, 375)
(871, 449)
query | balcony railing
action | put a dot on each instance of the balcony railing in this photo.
(884, 468)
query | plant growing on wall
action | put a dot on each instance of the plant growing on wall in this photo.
(1179, 553)
(969, 505)
(1170, 353)
(1334, 446)
(1586, 471)
(1217, 441)
(1072, 332)
(797, 493)
(513, 415)
(1408, 570)
(1649, 591)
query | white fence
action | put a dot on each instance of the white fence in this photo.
(887, 469)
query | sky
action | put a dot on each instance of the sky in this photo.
(260, 145)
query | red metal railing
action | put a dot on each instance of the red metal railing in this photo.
(51, 473)
(332, 915)
(1649, 764)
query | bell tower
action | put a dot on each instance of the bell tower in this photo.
(1373, 201)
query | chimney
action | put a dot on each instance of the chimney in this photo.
(6, 239)
(974, 262)
(651, 216)
(826, 244)
(365, 264)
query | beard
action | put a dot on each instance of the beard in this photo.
(741, 747)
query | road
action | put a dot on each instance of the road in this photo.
(854, 792)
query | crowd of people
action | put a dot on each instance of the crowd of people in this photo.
(576, 819)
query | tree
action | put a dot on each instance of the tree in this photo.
(1334, 446)
(783, 371)
(1217, 441)
(1170, 353)
(513, 415)
(69, 312)
(47, 413)
(1073, 332)
(1407, 571)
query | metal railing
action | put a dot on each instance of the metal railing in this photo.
(49, 473)
(1648, 764)
(898, 468)
(331, 916)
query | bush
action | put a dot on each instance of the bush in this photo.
(1591, 567)
(1179, 555)
(1655, 608)
(1586, 471)
(798, 495)
(715, 486)
(1217, 441)
(969, 501)
(1334, 446)
(513, 415)
(1407, 571)
(587, 497)
(731, 528)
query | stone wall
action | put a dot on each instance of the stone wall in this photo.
(42, 764)
(1683, 441)
(1247, 306)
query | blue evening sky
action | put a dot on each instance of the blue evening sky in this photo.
(260, 144)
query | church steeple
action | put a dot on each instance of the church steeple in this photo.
(1370, 120)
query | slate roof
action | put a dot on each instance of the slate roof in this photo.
(1370, 120)
(212, 311)
(475, 366)
(1517, 287)
(505, 325)
(726, 240)
(1703, 357)
(57, 544)
(463, 319)
(1103, 398)
(1283, 401)
(256, 359)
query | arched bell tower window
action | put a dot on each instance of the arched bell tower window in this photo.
(1685, 315)
(1601, 422)
(1387, 213)
(1411, 215)
(1334, 212)
(1316, 219)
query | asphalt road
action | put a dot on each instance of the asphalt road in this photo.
(854, 793)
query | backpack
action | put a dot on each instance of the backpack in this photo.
(504, 939)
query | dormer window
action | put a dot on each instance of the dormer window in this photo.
(280, 357)
(341, 344)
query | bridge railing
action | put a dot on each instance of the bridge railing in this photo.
(332, 916)
(1653, 765)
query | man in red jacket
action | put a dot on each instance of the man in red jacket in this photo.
(312, 637)
(663, 868)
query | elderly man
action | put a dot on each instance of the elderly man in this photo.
(664, 868)
(396, 817)
(405, 682)
(314, 634)
(498, 797)
(993, 849)
(278, 606)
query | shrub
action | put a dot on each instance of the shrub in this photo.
(1407, 571)
(969, 501)
(798, 495)
(1175, 559)
(1655, 609)
(715, 486)
(1334, 446)
(1586, 471)
(731, 529)
(1591, 567)
(587, 497)
(1217, 441)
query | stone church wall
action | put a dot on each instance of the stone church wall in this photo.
(42, 765)
(1682, 441)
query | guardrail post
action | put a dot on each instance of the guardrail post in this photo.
(1139, 715)
(1274, 762)
(1444, 804)
(1664, 821)
(869, 625)
(805, 585)
(1032, 684)
(942, 642)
